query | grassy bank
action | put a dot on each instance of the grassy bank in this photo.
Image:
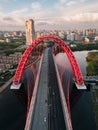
(92, 69)
(94, 93)
(92, 63)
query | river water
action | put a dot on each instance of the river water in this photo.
(13, 109)
(80, 100)
(82, 112)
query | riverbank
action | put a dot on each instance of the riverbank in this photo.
(92, 63)
(84, 47)
(92, 69)
(3, 87)
(94, 93)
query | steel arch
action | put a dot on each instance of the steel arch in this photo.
(75, 67)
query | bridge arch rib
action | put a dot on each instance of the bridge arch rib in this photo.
(78, 78)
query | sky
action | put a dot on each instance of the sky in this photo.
(49, 14)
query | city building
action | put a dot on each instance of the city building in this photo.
(30, 31)
(71, 36)
(2, 40)
(87, 40)
(7, 40)
(7, 62)
(88, 32)
(38, 34)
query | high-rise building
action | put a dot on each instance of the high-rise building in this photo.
(30, 31)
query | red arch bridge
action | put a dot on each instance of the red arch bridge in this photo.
(78, 78)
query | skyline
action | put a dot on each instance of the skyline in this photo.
(56, 14)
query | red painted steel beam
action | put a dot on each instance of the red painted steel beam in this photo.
(74, 64)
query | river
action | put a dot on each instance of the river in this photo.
(82, 112)
(81, 102)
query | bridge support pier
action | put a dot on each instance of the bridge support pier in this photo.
(80, 86)
(15, 86)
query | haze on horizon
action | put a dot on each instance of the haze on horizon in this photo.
(52, 14)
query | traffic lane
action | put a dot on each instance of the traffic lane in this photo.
(39, 121)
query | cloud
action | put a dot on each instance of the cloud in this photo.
(8, 19)
(36, 6)
(1, 14)
(62, 1)
(42, 23)
(4, 1)
(62, 13)
(82, 1)
(76, 8)
(71, 3)
(83, 17)
(19, 11)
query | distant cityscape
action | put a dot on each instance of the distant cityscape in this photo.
(87, 36)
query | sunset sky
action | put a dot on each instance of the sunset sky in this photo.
(49, 14)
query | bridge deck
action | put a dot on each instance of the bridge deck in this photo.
(56, 115)
(40, 116)
(47, 113)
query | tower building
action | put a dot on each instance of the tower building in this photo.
(30, 31)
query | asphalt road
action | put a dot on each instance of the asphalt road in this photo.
(55, 116)
(39, 121)
(48, 114)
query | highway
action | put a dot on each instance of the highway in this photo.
(55, 113)
(41, 106)
(47, 112)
